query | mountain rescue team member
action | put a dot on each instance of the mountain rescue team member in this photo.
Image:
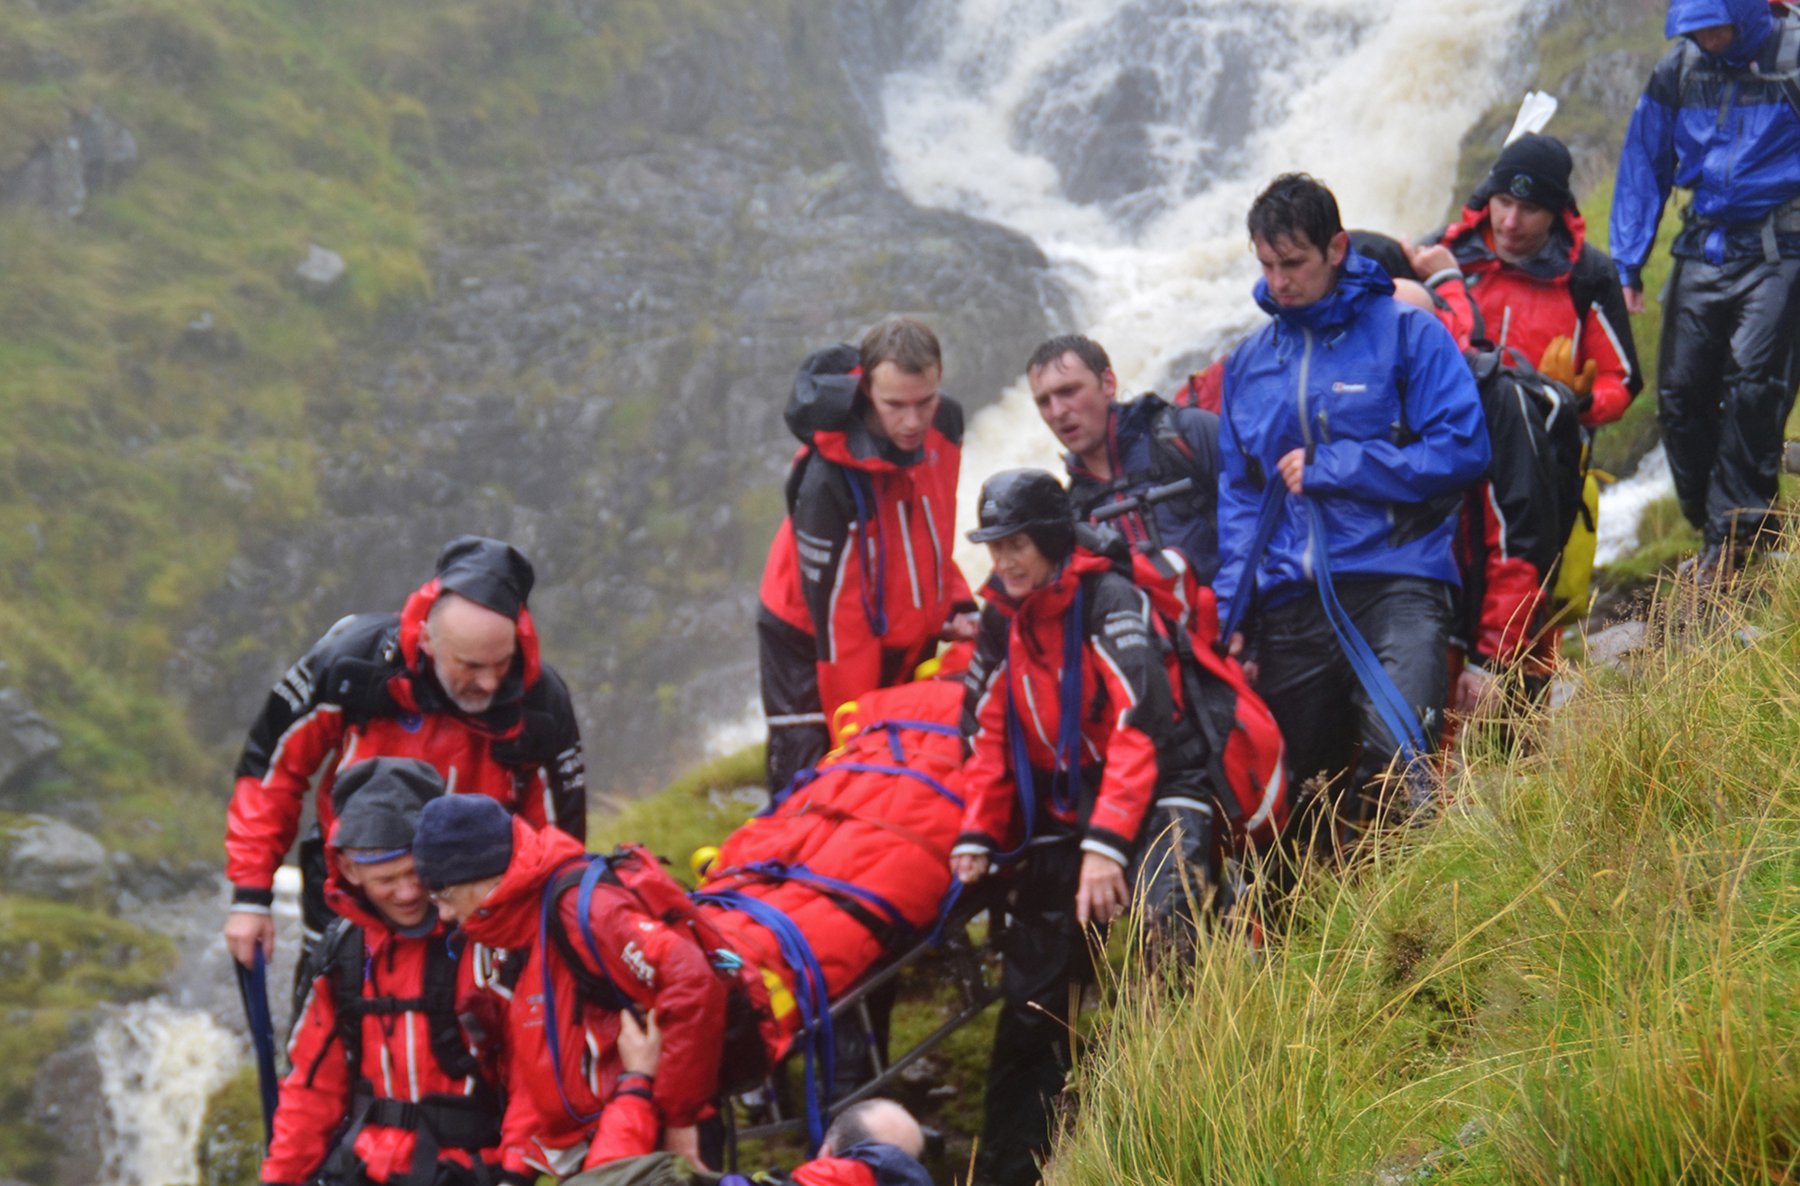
(1117, 450)
(1546, 292)
(1092, 778)
(1364, 404)
(488, 873)
(1542, 288)
(1717, 119)
(454, 679)
(873, 1143)
(399, 1045)
(860, 585)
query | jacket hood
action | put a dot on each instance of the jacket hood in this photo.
(509, 917)
(1361, 281)
(1557, 258)
(1752, 19)
(416, 689)
(825, 391)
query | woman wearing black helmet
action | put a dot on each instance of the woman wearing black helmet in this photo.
(1065, 767)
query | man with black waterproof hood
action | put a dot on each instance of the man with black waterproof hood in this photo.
(1077, 743)
(1349, 426)
(454, 679)
(398, 1056)
(1720, 118)
(860, 584)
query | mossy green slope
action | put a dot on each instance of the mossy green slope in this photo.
(160, 373)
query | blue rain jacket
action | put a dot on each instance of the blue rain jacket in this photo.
(1379, 393)
(1728, 134)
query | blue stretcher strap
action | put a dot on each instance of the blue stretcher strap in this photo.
(1390, 704)
(809, 995)
(874, 591)
(781, 871)
(800, 779)
(944, 908)
(1267, 517)
(900, 771)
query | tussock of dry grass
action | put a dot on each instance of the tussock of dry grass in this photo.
(1586, 972)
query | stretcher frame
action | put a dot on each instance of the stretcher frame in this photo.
(967, 964)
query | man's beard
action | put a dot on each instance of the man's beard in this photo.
(473, 703)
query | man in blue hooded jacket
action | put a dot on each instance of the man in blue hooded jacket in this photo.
(1719, 118)
(1364, 413)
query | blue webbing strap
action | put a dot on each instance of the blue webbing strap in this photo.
(809, 994)
(1068, 734)
(875, 606)
(552, 1034)
(781, 871)
(1267, 517)
(253, 986)
(584, 898)
(900, 771)
(1390, 704)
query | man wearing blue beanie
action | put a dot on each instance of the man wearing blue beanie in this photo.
(583, 1092)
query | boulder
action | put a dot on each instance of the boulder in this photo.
(53, 179)
(27, 742)
(321, 271)
(109, 152)
(51, 859)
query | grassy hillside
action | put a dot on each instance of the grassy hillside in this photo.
(1588, 972)
(160, 370)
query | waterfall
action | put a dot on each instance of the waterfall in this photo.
(1128, 137)
(158, 1066)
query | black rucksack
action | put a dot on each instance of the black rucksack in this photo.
(1539, 455)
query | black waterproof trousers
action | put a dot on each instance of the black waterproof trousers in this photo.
(1044, 953)
(1726, 377)
(1338, 749)
(798, 736)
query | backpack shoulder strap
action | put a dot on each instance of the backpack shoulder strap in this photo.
(448, 1042)
(595, 987)
(342, 960)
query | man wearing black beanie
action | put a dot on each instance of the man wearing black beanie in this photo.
(1543, 291)
(453, 680)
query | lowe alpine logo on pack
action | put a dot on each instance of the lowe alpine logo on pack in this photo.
(634, 955)
(1343, 388)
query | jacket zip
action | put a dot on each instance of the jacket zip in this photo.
(912, 567)
(1305, 435)
(937, 548)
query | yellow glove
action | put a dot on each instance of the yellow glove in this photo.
(1558, 363)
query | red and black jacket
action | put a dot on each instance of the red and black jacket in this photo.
(367, 690)
(1569, 289)
(400, 1042)
(1128, 712)
(655, 965)
(863, 562)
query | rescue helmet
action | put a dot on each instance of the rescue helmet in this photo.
(1030, 501)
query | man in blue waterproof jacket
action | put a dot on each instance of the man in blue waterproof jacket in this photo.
(1721, 119)
(1353, 419)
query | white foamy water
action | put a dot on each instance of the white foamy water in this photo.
(158, 1066)
(1622, 506)
(1128, 137)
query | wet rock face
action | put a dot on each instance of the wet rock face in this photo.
(27, 742)
(601, 379)
(51, 859)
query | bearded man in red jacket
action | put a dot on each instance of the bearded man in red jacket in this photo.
(860, 585)
(454, 680)
(574, 1102)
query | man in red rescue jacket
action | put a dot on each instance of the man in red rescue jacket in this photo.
(1064, 773)
(454, 679)
(1544, 291)
(860, 584)
(397, 1059)
(574, 1104)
